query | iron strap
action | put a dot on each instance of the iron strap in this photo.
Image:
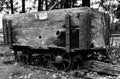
(67, 21)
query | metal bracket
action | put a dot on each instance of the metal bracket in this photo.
(67, 21)
(84, 31)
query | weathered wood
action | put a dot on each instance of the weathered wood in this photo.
(102, 67)
(5, 32)
(84, 31)
(39, 28)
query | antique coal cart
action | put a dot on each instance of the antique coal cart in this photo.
(57, 38)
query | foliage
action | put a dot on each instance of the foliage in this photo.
(118, 11)
(32, 5)
(115, 27)
(17, 6)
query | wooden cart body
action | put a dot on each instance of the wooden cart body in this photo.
(74, 28)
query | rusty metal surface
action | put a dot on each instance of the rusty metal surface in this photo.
(30, 30)
(84, 31)
(68, 33)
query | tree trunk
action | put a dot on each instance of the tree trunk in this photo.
(46, 4)
(86, 3)
(39, 5)
(66, 4)
(23, 6)
(11, 2)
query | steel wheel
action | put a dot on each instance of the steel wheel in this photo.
(60, 60)
(22, 56)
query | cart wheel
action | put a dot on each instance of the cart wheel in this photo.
(23, 56)
(60, 60)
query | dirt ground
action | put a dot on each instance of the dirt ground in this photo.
(10, 69)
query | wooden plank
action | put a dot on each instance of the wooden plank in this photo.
(10, 33)
(102, 67)
(54, 15)
(5, 32)
(114, 35)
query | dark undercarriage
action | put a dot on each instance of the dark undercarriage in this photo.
(57, 58)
